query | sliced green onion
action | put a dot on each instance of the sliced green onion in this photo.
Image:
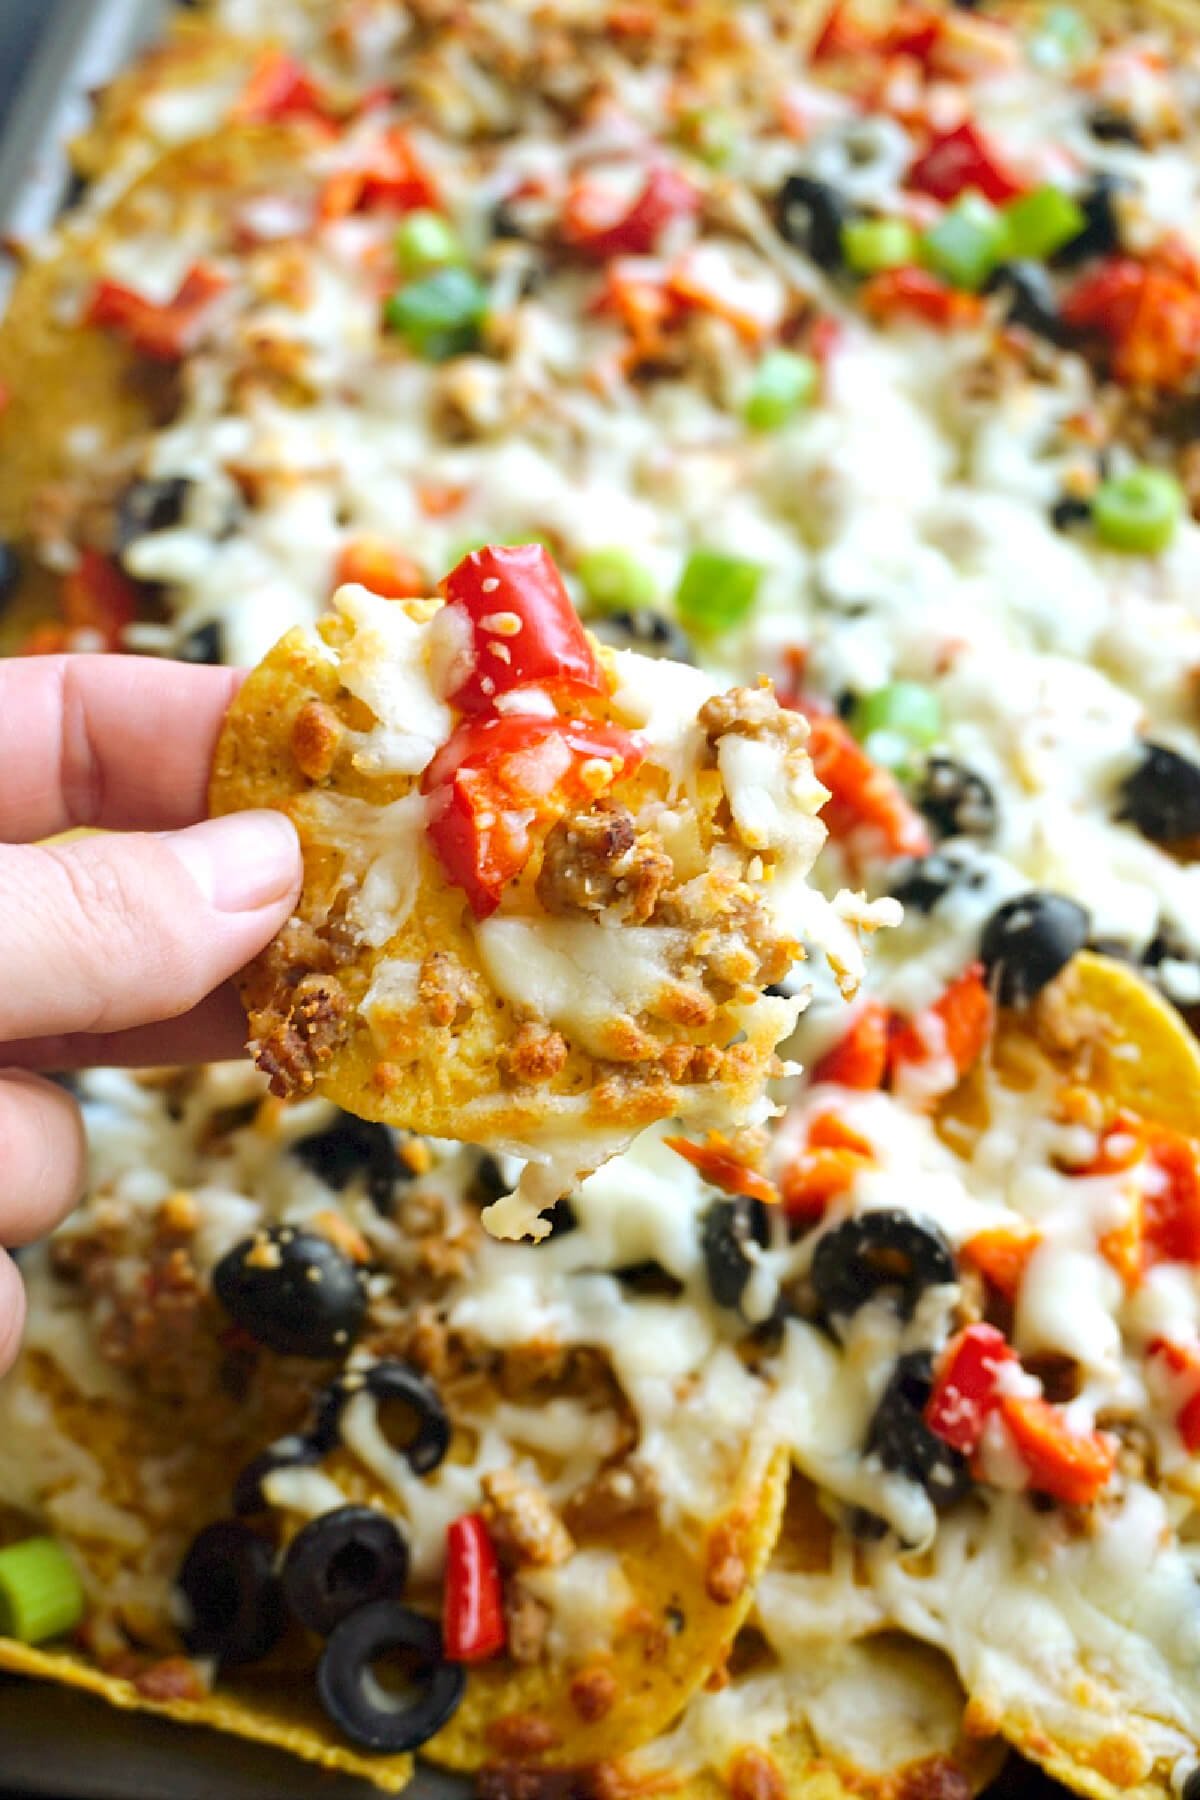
(716, 591)
(895, 720)
(41, 1595)
(441, 315)
(1138, 512)
(784, 381)
(1061, 38)
(426, 241)
(1041, 222)
(872, 245)
(709, 135)
(615, 581)
(966, 243)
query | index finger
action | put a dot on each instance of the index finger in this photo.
(123, 742)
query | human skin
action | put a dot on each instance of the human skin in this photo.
(116, 948)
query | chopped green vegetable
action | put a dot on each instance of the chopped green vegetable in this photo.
(784, 381)
(967, 242)
(1061, 37)
(716, 591)
(896, 719)
(709, 135)
(1041, 222)
(41, 1595)
(441, 315)
(1138, 512)
(615, 581)
(872, 245)
(426, 240)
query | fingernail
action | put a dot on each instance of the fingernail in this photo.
(241, 862)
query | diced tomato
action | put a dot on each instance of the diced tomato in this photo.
(163, 332)
(98, 596)
(1181, 1363)
(916, 292)
(473, 1627)
(964, 1389)
(588, 224)
(957, 1026)
(1123, 1245)
(1106, 299)
(279, 88)
(718, 1162)
(390, 178)
(1148, 311)
(437, 498)
(912, 31)
(643, 305)
(1171, 1201)
(859, 1060)
(833, 1158)
(376, 565)
(961, 159)
(47, 639)
(1188, 1424)
(497, 781)
(1068, 1466)
(700, 283)
(524, 630)
(1001, 1254)
(866, 811)
(841, 35)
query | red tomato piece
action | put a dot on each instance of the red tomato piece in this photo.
(1001, 1255)
(1068, 1466)
(961, 1019)
(840, 35)
(279, 88)
(961, 159)
(473, 1627)
(524, 630)
(1171, 1200)
(1107, 299)
(163, 332)
(589, 226)
(372, 562)
(1182, 1362)
(866, 811)
(98, 596)
(921, 295)
(390, 178)
(859, 1060)
(721, 1167)
(964, 1389)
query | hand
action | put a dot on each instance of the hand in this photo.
(114, 949)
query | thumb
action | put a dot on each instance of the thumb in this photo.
(112, 931)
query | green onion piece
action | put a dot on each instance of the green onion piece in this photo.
(784, 381)
(716, 591)
(966, 243)
(1061, 38)
(615, 581)
(872, 245)
(426, 241)
(896, 719)
(41, 1595)
(1138, 512)
(1041, 222)
(710, 136)
(441, 315)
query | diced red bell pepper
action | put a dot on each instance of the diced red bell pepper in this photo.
(1106, 300)
(866, 811)
(964, 1388)
(841, 35)
(498, 780)
(373, 562)
(961, 1019)
(279, 88)
(524, 630)
(1001, 1254)
(917, 293)
(473, 1627)
(98, 596)
(1148, 311)
(163, 332)
(1171, 1203)
(961, 159)
(722, 1168)
(1183, 1363)
(833, 1158)
(859, 1059)
(1068, 1466)
(588, 224)
(390, 178)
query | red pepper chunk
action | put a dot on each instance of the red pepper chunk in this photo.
(964, 1390)
(963, 1018)
(390, 178)
(497, 781)
(164, 332)
(98, 596)
(1068, 1466)
(524, 630)
(473, 1600)
(1182, 1362)
(961, 159)
(859, 1059)
(1171, 1201)
(920, 295)
(866, 811)
(721, 1167)
(374, 564)
(588, 224)
(279, 88)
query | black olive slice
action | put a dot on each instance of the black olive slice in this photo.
(641, 628)
(204, 645)
(351, 1147)
(430, 1439)
(10, 569)
(1162, 796)
(341, 1561)
(1028, 941)
(1101, 235)
(1070, 511)
(956, 801)
(902, 1440)
(293, 1291)
(726, 1228)
(921, 882)
(1029, 300)
(285, 1453)
(881, 1252)
(233, 1598)
(350, 1692)
(150, 505)
(810, 214)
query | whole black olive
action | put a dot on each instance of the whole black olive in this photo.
(1108, 126)
(956, 801)
(884, 1252)
(1029, 300)
(351, 1147)
(351, 1694)
(150, 505)
(726, 1228)
(293, 1452)
(1028, 941)
(641, 628)
(1162, 796)
(341, 1561)
(204, 645)
(810, 215)
(902, 1440)
(10, 569)
(1070, 510)
(1101, 235)
(233, 1598)
(429, 1440)
(293, 1291)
